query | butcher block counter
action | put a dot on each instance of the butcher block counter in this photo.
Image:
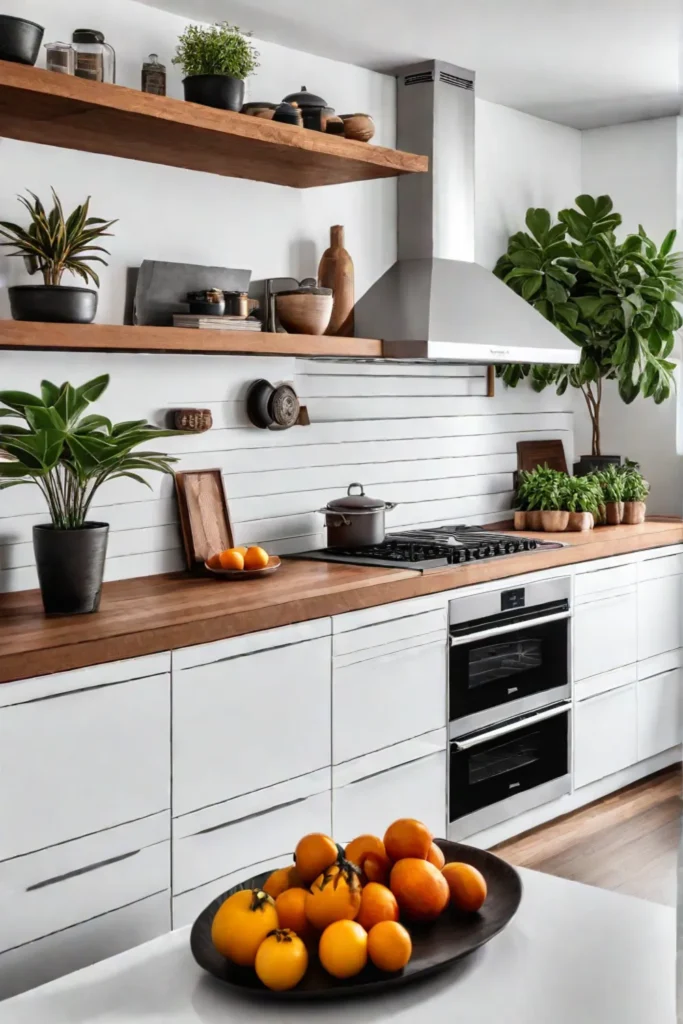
(161, 613)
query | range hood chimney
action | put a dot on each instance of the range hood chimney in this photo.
(435, 302)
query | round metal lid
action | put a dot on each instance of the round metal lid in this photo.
(356, 501)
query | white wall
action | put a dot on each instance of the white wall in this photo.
(638, 166)
(423, 436)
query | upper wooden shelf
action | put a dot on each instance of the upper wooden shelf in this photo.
(20, 334)
(61, 110)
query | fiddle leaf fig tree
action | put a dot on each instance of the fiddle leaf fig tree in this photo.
(615, 300)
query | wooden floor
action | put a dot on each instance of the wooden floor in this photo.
(627, 842)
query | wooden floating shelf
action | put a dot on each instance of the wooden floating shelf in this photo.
(19, 334)
(73, 113)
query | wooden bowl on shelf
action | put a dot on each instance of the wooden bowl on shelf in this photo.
(274, 564)
(305, 311)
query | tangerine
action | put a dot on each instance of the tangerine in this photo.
(377, 903)
(407, 838)
(231, 559)
(214, 562)
(436, 857)
(358, 849)
(377, 868)
(256, 558)
(421, 890)
(281, 960)
(241, 924)
(314, 853)
(291, 911)
(281, 880)
(467, 886)
(389, 946)
(343, 949)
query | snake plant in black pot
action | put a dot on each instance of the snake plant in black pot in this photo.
(68, 453)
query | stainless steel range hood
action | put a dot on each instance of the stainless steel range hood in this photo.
(435, 302)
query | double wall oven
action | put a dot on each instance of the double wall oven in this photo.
(509, 703)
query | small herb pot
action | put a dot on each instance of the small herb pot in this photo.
(70, 567)
(554, 521)
(634, 513)
(53, 303)
(614, 512)
(520, 519)
(580, 521)
(533, 520)
(219, 91)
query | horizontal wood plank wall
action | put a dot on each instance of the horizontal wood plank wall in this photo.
(426, 437)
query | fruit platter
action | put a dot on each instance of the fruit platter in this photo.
(340, 920)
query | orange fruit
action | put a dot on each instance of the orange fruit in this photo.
(241, 924)
(242, 550)
(358, 849)
(214, 562)
(335, 895)
(389, 946)
(231, 559)
(313, 854)
(281, 960)
(256, 558)
(343, 949)
(281, 880)
(377, 903)
(291, 911)
(467, 886)
(436, 857)
(420, 888)
(407, 838)
(377, 868)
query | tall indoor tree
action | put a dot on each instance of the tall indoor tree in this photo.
(615, 300)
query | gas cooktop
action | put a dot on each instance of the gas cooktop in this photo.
(432, 548)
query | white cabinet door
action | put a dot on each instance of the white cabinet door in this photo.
(369, 804)
(389, 698)
(249, 722)
(77, 762)
(605, 734)
(660, 615)
(605, 634)
(660, 719)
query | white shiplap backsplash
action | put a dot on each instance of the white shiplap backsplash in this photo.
(426, 437)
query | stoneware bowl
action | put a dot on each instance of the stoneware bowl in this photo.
(359, 127)
(306, 311)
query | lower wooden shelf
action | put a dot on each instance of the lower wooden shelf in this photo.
(18, 334)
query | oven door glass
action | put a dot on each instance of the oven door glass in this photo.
(492, 671)
(491, 770)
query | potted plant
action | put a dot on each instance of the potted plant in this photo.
(51, 245)
(215, 60)
(68, 455)
(542, 491)
(582, 499)
(615, 300)
(612, 482)
(636, 490)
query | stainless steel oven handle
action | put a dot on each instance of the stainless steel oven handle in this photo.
(504, 730)
(512, 627)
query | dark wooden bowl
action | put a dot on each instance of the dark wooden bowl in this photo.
(435, 946)
(274, 564)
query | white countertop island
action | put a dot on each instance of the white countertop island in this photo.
(572, 955)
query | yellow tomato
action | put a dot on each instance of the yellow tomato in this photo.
(281, 960)
(242, 923)
(343, 949)
(335, 895)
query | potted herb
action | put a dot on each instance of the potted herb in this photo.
(542, 490)
(582, 499)
(615, 300)
(636, 490)
(68, 455)
(215, 59)
(612, 482)
(51, 245)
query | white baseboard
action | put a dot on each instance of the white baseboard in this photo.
(579, 798)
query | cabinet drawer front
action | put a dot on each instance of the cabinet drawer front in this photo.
(59, 954)
(249, 723)
(388, 699)
(605, 735)
(235, 835)
(594, 685)
(368, 637)
(250, 643)
(350, 621)
(415, 790)
(660, 720)
(188, 906)
(51, 890)
(656, 568)
(604, 635)
(660, 616)
(658, 664)
(86, 761)
(588, 584)
(83, 678)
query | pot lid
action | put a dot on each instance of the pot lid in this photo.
(356, 501)
(305, 98)
(87, 35)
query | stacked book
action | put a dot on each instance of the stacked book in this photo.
(216, 323)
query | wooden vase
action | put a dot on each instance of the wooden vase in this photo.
(614, 512)
(634, 513)
(336, 272)
(554, 521)
(580, 521)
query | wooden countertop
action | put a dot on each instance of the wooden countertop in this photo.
(159, 613)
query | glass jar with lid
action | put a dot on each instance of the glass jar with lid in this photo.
(60, 57)
(95, 59)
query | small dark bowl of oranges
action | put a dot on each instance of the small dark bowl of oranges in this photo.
(242, 563)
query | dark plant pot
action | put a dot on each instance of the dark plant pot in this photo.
(220, 91)
(70, 567)
(594, 463)
(53, 303)
(614, 512)
(554, 521)
(634, 513)
(19, 40)
(580, 521)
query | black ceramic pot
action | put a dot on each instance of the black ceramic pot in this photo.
(220, 91)
(595, 463)
(70, 567)
(19, 40)
(53, 303)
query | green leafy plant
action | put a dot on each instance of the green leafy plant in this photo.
(612, 480)
(583, 494)
(54, 243)
(542, 489)
(636, 488)
(69, 455)
(216, 50)
(614, 300)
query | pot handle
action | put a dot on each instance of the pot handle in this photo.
(389, 505)
(343, 521)
(361, 491)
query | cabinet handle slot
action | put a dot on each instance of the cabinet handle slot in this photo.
(81, 871)
(255, 814)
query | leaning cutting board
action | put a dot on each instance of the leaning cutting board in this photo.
(336, 272)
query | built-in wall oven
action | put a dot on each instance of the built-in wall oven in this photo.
(509, 703)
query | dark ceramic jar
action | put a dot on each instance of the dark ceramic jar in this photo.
(314, 109)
